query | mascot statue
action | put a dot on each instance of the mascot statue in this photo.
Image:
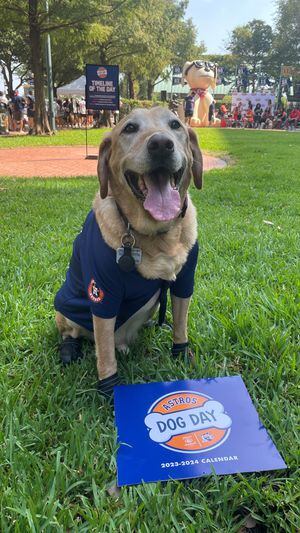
(200, 75)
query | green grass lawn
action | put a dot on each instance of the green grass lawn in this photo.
(58, 443)
(61, 138)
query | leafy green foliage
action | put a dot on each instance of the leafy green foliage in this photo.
(256, 43)
(142, 36)
(57, 436)
(160, 37)
(287, 30)
(71, 65)
(229, 62)
(129, 104)
(251, 43)
(13, 54)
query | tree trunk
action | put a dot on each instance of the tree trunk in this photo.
(130, 86)
(102, 56)
(253, 79)
(41, 118)
(8, 78)
(149, 90)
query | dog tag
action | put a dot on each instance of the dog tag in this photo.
(127, 256)
(137, 255)
(135, 252)
(126, 261)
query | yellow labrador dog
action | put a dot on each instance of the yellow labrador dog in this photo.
(139, 240)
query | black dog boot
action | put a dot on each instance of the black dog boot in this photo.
(105, 387)
(70, 350)
(181, 350)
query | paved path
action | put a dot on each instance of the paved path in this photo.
(62, 161)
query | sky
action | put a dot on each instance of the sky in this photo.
(215, 19)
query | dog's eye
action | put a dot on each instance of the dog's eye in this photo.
(131, 127)
(175, 124)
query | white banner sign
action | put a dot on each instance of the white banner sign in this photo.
(255, 98)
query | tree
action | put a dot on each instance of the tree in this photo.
(13, 56)
(142, 36)
(143, 40)
(173, 41)
(185, 47)
(286, 44)
(120, 40)
(228, 62)
(166, 39)
(251, 44)
(32, 17)
(69, 67)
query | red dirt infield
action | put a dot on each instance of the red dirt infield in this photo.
(61, 161)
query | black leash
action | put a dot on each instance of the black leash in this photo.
(163, 300)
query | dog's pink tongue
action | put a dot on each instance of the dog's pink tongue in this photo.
(162, 201)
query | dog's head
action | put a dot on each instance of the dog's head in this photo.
(147, 162)
(199, 74)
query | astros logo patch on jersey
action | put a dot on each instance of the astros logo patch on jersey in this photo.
(188, 422)
(95, 293)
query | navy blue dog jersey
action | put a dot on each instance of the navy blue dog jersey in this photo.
(95, 284)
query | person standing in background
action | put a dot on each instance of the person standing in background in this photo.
(82, 112)
(249, 117)
(189, 103)
(211, 112)
(18, 105)
(30, 113)
(293, 118)
(3, 113)
(257, 115)
(268, 109)
(223, 110)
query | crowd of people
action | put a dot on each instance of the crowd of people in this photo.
(258, 117)
(72, 113)
(17, 114)
(238, 117)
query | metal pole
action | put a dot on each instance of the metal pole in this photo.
(86, 136)
(49, 77)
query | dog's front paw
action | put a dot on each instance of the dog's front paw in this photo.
(105, 387)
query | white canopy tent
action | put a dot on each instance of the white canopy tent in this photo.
(75, 88)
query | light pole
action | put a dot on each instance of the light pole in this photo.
(49, 76)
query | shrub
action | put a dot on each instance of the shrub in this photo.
(227, 100)
(128, 104)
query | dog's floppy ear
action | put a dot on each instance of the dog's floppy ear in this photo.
(197, 166)
(103, 165)
(213, 82)
(186, 65)
(215, 75)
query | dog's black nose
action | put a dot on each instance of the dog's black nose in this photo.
(160, 145)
